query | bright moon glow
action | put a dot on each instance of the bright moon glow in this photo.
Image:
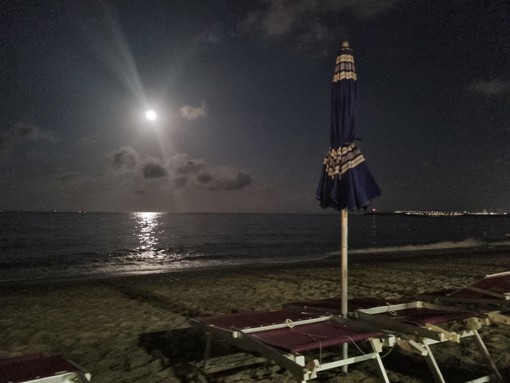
(151, 115)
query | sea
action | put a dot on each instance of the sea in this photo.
(67, 246)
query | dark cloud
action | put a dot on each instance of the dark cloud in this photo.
(180, 182)
(204, 178)
(67, 176)
(189, 171)
(23, 131)
(237, 182)
(224, 182)
(153, 169)
(181, 170)
(124, 158)
(185, 166)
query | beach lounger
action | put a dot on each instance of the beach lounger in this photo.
(292, 340)
(417, 325)
(489, 295)
(39, 368)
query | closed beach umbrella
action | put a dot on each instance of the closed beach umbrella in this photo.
(346, 182)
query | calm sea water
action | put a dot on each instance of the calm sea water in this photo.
(73, 245)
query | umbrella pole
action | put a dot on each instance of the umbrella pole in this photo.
(344, 299)
(344, 247)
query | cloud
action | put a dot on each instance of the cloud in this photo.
(67, 176)
(184, 166)
(316, 40)
(277, 18)
(178, 172)
(188, 112)
(152, 168)
(491, 87)
(309, 27)
(124, 158)
(251, 23)
(24, 131)
(204, 178)
(127, 159)
(197, 173)
(237, 182)
(281, 17)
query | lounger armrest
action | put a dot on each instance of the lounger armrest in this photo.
(499, 317)
(447, 335)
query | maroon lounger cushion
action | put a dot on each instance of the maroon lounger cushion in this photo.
(30, 367)
(314, 336)
(498, 284)
(307, 337)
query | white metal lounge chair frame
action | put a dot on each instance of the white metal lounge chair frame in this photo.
(66, 377)
(418, 339)
(295, 363)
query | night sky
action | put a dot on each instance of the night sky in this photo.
(242, 92)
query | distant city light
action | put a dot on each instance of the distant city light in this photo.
(150, 115)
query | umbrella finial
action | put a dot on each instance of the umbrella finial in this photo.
(346, 44)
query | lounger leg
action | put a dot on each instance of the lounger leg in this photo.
(433, 366)
(208, 347)
(485, 352)
(377, 349)
(345, 355)
(83, 377)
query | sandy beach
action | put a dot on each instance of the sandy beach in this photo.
(136, 329)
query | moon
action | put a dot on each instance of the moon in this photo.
(151, 115)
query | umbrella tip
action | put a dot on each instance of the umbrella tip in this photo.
(346, 44)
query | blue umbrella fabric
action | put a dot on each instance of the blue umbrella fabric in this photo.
(346, 181)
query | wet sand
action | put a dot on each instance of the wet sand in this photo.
(136, 329)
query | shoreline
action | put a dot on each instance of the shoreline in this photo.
(355, 260)
(136, 329)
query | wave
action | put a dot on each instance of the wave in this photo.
(470, 243)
